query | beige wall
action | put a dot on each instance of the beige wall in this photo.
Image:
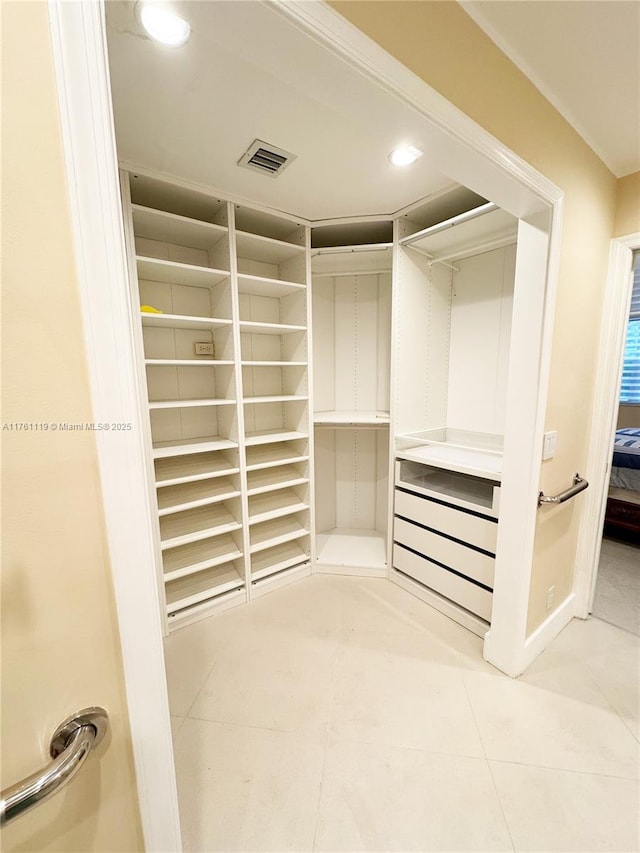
(441, 43)
(627, 219)
(60, 647)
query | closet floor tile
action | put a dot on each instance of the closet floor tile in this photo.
(558, 810)
(552, 717)
(388, 691)
(378, 798)
(246, 789)
(273, 678)
(190, 653)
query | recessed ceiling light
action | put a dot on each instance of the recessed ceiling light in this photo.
(405, 155)
(164, 26)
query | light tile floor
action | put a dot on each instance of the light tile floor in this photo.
(344, 714)
(617, 598)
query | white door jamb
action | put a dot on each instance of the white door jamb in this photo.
(615, 315)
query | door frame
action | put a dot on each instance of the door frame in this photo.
(615, 316)
(462, 148)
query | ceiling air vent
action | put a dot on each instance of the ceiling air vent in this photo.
(266, 158)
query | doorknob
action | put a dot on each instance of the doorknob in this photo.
(69, 748)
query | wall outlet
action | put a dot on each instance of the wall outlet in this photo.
(203, 348)
(550, 596)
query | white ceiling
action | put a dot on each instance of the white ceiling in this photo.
(248, 73)
(584, 57)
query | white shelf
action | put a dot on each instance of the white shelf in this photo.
(272, 455)
(351, 547)
(184, 527)
(184, 404)
(188, 469)
(478, 463)
(277, 559)
(272, 436)
(197, 556)
(275, 398)
(184, 446)
(269, 480)
(195, 588)
(172, 228)
(247, 327)
(192, 495)
(182, 321)
(276, 533)
(272, 505)
(186, 362)
(463, 234)
(171, 272)
(274, 364)
(356, 418)
(256, 285)
(265, 249)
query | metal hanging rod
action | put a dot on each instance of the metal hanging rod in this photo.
(579, 485)
(69, 747)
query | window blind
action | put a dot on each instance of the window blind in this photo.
(630, 387)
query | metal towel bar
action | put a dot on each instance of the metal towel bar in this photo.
(70, 746)
(579, 485)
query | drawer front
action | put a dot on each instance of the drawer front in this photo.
(455, 522)
(465, 560)
(456, 589)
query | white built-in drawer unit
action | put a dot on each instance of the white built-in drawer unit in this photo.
(445, 532)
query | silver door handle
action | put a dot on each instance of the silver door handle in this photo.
(579, 485)
(69, 747)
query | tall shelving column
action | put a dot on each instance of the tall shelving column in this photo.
(351, 333)
(272, 273)
(179, 251)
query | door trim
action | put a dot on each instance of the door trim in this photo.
(462, 148)
(84, 94)
(615, 316)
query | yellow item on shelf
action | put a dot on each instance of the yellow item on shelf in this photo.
(149, 309)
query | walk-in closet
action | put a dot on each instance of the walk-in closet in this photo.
(323, 366)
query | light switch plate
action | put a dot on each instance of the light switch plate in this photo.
(549, 444)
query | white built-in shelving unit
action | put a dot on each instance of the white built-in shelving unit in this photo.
(390, 465)
(351, 296)
(223, 295)
(452, 316)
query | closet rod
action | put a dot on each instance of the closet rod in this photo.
(339, 273)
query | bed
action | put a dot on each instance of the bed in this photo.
(622, 517)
